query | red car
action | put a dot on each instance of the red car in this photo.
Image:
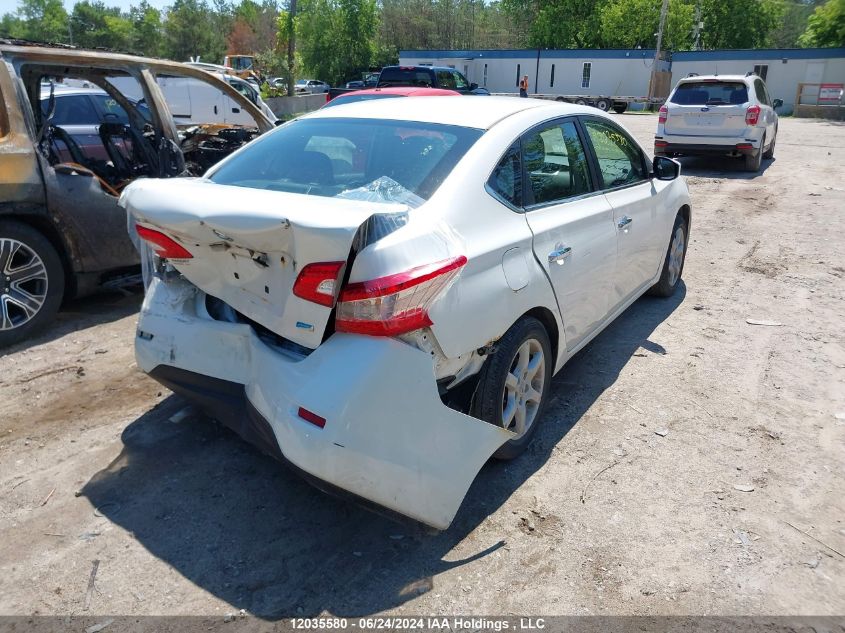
(385, 93)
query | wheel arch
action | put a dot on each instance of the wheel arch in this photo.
(547, 319)
(686, 213)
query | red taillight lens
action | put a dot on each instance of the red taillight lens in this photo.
(395, 304)
(662, 114)
(752, 115)
(661, 144)
(163, 245)
(318, 282)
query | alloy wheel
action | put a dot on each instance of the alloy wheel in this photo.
(23, 283)
(524, 388)
(676, 255)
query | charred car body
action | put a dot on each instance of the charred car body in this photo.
(62, 233)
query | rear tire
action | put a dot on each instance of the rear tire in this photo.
(603, 104)
(770, 153)
(513, 384)
(581, 102)
(755, 160)
(620, 108)
(31, 282)
(673, 263)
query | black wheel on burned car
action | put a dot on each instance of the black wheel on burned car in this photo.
(31, 281)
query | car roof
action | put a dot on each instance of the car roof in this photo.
(419, 67)
(741, 78)
(480, 112)
(405, 91)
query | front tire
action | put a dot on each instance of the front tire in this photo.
(31, 282)
(673, 264)
(514, 384)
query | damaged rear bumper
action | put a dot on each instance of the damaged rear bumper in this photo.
(388, 439)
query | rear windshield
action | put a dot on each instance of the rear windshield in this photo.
(405, 77)
(710, 93)
(378, 160)
(353, 97)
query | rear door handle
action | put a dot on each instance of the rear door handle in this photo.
(625, 221)
(560, 254)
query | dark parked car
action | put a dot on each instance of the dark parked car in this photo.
(428, 77)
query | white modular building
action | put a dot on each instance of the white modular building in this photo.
(608, 72)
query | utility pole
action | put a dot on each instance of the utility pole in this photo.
(291, 45)
(664, 9)
(696, 29)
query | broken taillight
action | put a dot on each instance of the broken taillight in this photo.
(396, 304)
(318, 282)
(164, 246)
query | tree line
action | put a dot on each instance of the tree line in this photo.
(335, 40)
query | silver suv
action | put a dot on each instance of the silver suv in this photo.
(719, 115)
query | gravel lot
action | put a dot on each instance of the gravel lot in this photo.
(603, 516)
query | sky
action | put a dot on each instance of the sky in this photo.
(9, 6)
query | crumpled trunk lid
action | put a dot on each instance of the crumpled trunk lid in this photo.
(249, 245)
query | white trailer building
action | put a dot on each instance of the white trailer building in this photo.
(563, 72)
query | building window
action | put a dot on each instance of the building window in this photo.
(761, 70)
(552, 78)
(485, 75)
(585, 75)
(517, 75)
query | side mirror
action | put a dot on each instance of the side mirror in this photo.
(473, 86)
(664, 168)
(777, 103)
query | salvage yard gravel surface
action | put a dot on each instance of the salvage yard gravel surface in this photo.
(690, 460)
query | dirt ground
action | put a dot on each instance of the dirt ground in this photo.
(736, 506)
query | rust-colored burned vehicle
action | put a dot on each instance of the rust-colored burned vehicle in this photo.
(62, 233)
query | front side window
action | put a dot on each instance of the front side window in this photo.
(369, 159)
(460, 82)
(619, 159)
(586, 71)
(506, 179)
(446, 79)
(556, 164)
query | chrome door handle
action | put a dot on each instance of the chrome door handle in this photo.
(560, 254)
(625, 221)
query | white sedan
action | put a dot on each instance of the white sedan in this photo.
(380, 293)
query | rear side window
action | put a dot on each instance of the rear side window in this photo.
(72, 110)
(405, 77)
(760, 89)
(379, 160)
(506, 179)
(710, 93)
(110, 110)
(556, 164)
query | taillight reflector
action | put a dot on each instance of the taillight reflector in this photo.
(660, 143)
(163, 245)
(313, 418)
(395, 304)
(662, 114)
(752, 115)
(745, 146)
(318, 282)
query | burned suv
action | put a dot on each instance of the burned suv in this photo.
(70, 140)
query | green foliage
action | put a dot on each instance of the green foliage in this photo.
(147, 30)
(632, 23)
(826, 26)
(191, 30)
(334, 38)
(557, 24)
(44, 20)
(739, 23)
